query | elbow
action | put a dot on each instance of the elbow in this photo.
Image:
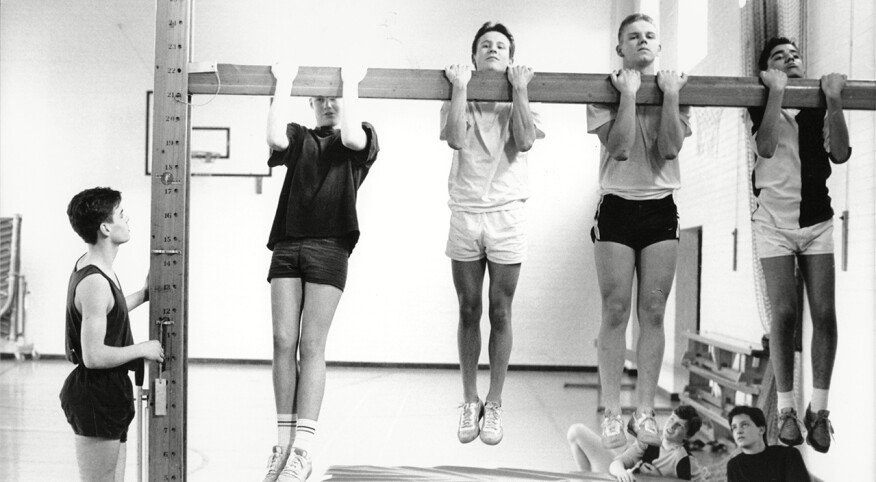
(619, 154)
(455, 144)
(524, 146)
(765, 152)
(355, 143)
(90, 360)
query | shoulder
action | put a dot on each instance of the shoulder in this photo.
(94, 290)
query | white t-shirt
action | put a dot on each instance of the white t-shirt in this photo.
(646, 174)
(488, 173)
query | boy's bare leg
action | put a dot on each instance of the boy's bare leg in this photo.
(503, 283)
(98, 458)
(468, 279)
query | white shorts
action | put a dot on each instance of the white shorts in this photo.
(498, 235)
(772, 241)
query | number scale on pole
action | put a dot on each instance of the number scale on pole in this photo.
(168, 274)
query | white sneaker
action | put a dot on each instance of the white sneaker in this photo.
(469, 421)
(276, 463)
(492, 432)
(298, 467)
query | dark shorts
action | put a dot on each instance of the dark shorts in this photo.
(637, 224)
(99, 403)
(314, 260)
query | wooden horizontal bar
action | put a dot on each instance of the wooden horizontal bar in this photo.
(548, 87)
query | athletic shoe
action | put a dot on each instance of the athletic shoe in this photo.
(643, 426)
(492, 433)
(612, 431)
(469, 421)
(298, 468)
(819, 429)
(276, 463)
(789, 427)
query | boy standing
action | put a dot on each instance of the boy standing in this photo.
(793, 223)
(758, 461)
(488, 186)
(97, 396)
(315, 229)
(636, 224)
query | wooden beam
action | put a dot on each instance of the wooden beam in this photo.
(169, 246)
(548, 87)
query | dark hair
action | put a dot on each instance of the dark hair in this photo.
(768, 47)
(91, 207)
(691, 416)
(754, 413)
(635, 17)
(493, 27)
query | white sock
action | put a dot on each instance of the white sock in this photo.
(304, 434)
(286, 423)
(819, 399)
(785, 400)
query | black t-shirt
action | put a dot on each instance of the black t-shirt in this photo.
(776, 463)
(318, 199)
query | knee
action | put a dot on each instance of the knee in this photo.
(470, 312)
(284, 342)
(784, 316)
(615, 313)
(651, 308)
(574, 433)
(823, 318)
(500, 318)
(311, 350)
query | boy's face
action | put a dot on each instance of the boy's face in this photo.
(746, 434)
(492, 52)
(327, 111)
(786, 58)
(116, 228)
(675, 429)
(639, 45)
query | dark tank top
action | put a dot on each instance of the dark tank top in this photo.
(118, 325)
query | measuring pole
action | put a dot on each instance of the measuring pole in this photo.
(168, 268)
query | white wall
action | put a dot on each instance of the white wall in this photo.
(80, 74)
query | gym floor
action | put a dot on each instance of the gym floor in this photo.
(382, 417)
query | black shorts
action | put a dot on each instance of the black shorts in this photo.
(314, 260)
(637, 224)
(99, 403)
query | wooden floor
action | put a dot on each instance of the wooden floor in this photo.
(370, 417)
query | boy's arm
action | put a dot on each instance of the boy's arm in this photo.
(522, 122)
(352, 135)
(767, 138)
(620, 472)
(137, 298)
(281, 106)
(670, 135)
(455, 128)
(832, 85)
(622, 133)
(626, 460)
(94, 297)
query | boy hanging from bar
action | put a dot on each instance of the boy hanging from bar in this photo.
(97, 396)
(636, 223)
(488, 187)
(314, 232)
(793, 224)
